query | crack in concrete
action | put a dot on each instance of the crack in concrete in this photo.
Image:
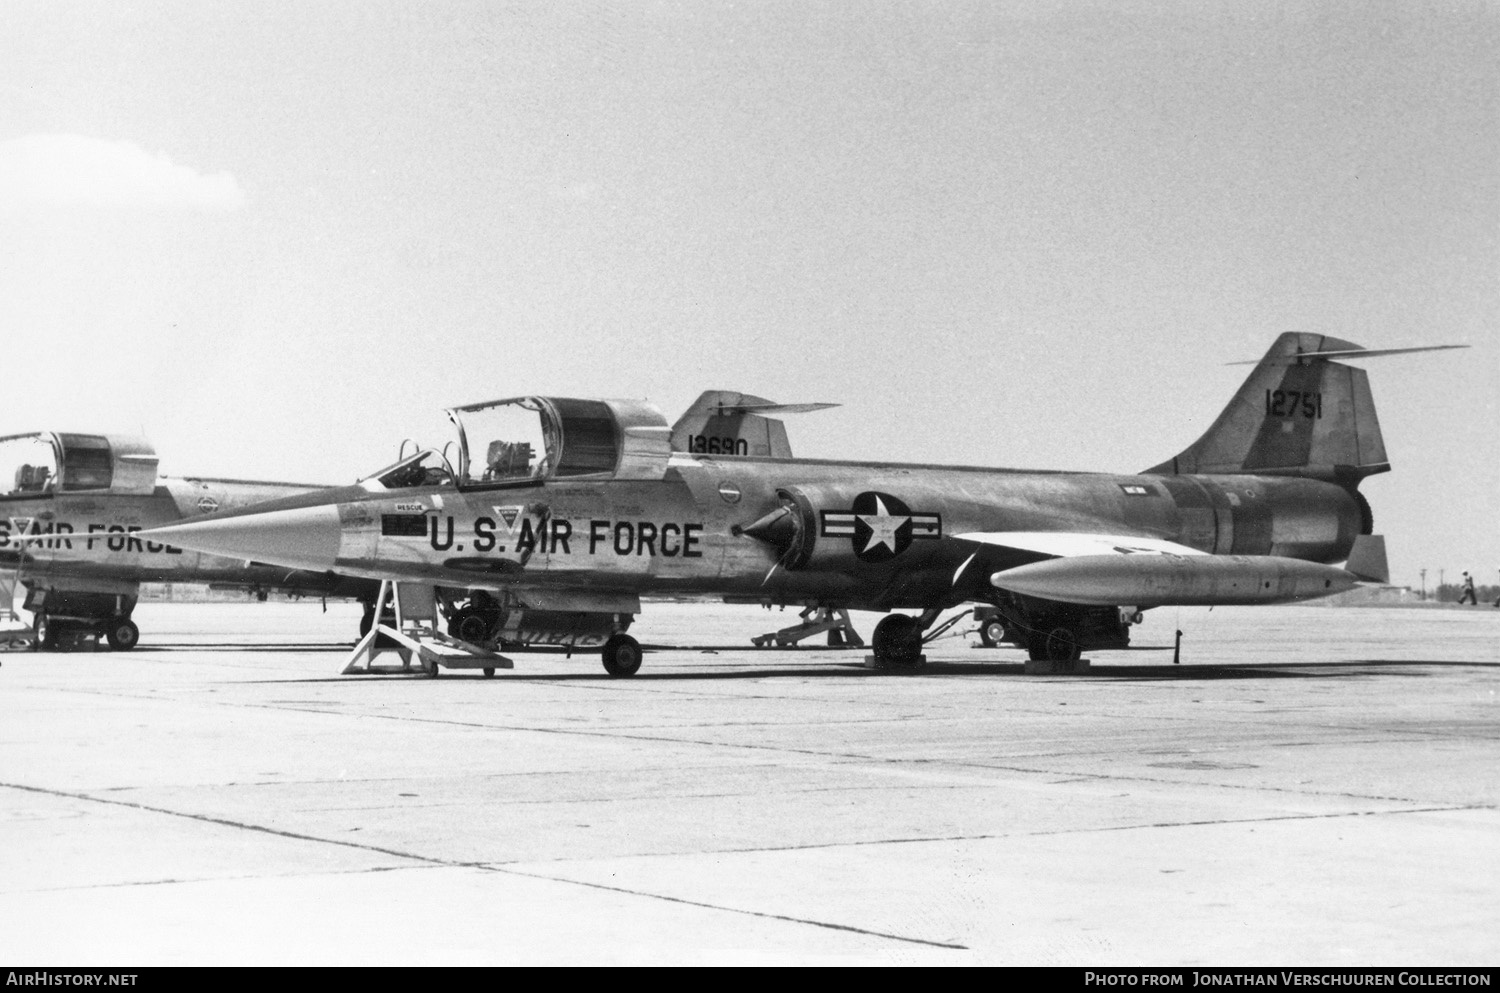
(433, 861)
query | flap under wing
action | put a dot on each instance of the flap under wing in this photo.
(1067, 544)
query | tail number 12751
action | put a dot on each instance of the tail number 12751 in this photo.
(1290, 403)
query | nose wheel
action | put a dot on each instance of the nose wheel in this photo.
(45, 633)
(622, 655)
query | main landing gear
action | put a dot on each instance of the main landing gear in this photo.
(898, 639)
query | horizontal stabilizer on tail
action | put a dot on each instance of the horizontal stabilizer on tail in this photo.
(723, 422)
(1298, 413)
(1346, 353)
(723, 409)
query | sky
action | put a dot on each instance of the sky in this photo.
(279, 238)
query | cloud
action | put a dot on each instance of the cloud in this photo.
(69, 170)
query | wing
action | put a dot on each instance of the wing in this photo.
(1067, 544)
(1112, 570)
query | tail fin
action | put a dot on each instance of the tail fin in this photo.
(722, 422)
(1367, 559)
(1298, 414)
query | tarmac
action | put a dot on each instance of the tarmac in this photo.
(1308, 787)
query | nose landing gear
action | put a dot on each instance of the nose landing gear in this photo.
(622, 655)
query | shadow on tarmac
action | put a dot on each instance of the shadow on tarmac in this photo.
(1161, 673)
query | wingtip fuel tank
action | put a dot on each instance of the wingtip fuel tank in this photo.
(1146, 580)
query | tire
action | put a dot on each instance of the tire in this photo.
(897, 641)
(992, 634)
(1061, 645)
(489, 670)
(622, 655)
(45, 633)
(471, 626)
(122, 634)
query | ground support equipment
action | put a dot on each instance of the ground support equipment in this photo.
(413, 628)
(815, 620)
(15, 635)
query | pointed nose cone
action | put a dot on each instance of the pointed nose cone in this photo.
(299, 537)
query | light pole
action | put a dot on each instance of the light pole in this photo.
(1424, 583)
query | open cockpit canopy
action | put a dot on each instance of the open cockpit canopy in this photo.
(424, 467)
(45, 463)
(528, 439)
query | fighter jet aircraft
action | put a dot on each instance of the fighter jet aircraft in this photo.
(69, 523)
(70, 526)
(571, 509)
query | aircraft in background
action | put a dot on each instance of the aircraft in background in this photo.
(70, 526)
(69, 523)
(574, 508)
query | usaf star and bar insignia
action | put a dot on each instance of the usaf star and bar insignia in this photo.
(879, 526)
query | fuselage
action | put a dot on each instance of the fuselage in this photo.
(863, 535)
(90, 540)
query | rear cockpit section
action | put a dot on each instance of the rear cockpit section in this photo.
(529, 439)
(45, 463)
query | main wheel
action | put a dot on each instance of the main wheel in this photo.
(122, 634)
(1062, 646)
(897, 640)
(622, 655)
(44, 633)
